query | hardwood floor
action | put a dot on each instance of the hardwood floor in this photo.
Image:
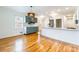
(35, 43)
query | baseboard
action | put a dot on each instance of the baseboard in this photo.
(2, 37)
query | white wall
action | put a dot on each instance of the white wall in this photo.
(7, 22)
(45, 21)
(65, 22)
(77, 12)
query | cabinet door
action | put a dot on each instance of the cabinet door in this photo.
(28, 19)
(32, 29)
(58, 23)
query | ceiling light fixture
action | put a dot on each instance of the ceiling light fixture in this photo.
(42, 16)
(31, 8)
(58, 10)
(53, 13)
(67, 8)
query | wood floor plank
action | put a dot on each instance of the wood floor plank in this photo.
(35, 43)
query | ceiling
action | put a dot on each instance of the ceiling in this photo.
(45, 10)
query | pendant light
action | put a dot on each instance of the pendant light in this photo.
(31, 13)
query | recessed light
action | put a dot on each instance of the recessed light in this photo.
(53, 14)
(42, 16)
(58, 10)
(67, 8)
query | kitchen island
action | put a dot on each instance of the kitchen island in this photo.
(66, 35)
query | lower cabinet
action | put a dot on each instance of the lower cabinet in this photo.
(31, 30)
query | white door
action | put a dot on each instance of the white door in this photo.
(19, 21)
